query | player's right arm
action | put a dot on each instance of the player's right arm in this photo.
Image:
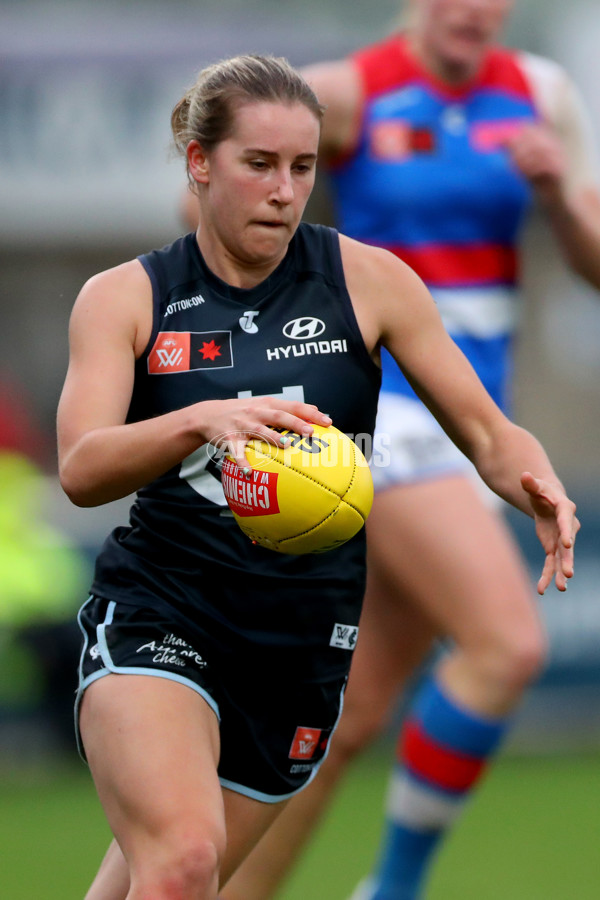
(558, 157)
(101, 456)
(338, 87)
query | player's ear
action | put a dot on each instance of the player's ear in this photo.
(197, 162)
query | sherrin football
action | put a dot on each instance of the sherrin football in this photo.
(310, 496)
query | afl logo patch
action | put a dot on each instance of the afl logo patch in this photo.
(186, 351)
(304, 328)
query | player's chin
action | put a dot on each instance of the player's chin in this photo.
(269, 244)
(467, 49)
(271, 231)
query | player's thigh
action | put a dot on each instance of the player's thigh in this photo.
(393, 640)
(153, 745)
(247, 820)
(451, 557)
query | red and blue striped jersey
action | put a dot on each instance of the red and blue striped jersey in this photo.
(430, 180)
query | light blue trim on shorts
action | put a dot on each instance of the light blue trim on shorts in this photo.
(258, 795)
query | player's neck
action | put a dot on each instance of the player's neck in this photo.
(454, 72)
(234, 270)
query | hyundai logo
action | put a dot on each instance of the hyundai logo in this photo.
(303, 328)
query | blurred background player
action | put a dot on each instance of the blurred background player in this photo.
(438, 141)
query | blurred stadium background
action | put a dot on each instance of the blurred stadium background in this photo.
(87, 181)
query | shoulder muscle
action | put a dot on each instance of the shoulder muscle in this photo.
(115, 303)
(389, 298)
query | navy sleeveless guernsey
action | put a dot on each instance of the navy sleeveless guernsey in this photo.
(294, 335)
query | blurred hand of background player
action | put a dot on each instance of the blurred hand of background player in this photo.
(539, 155)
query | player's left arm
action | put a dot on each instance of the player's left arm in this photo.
(559, 158)
(395, 309)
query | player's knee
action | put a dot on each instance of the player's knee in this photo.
(528, 658)
(187, 870)
(516, 659)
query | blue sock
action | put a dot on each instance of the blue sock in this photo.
(442, 752)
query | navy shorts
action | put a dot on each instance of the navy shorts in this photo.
(275, 717)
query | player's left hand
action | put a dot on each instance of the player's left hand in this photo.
(556, 526)
(539, 155)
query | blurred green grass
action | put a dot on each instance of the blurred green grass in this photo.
(531, 833)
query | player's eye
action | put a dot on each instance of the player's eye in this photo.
(303, 168)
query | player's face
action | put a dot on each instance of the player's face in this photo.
(452, 35)
(256, 186)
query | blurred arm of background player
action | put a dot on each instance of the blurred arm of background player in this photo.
(555, 157)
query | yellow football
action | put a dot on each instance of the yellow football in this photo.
(309, 497)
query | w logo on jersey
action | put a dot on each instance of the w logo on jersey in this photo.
(170, 359)
(308, 742)
(186, 351)
(344, 636)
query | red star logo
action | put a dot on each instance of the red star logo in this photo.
(210, 351)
